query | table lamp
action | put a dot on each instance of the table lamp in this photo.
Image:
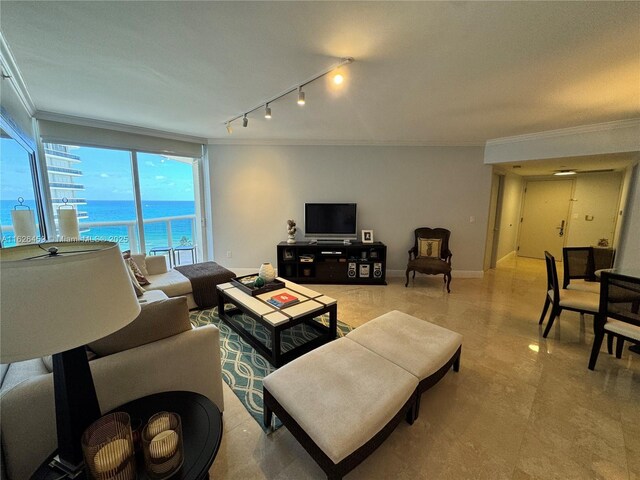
(56, 298)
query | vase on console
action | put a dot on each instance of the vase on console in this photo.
(267, 272)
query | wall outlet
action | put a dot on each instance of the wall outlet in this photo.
(229, 254)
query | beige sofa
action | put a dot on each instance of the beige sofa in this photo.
(170, 281)
(159, 351)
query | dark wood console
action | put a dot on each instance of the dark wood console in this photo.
(356, 263)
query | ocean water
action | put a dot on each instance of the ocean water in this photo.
(122, 211)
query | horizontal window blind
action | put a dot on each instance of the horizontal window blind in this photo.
(71, 134)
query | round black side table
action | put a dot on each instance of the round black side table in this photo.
(201, 432)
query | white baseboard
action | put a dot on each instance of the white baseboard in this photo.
(512, 253)
(390, 273)
(454, 273)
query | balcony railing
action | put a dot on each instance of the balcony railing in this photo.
(65, 170)
(67, 186)
(125, 233)
(57, 153)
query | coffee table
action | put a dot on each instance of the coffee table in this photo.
(277, 320)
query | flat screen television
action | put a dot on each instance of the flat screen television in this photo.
(330, 221)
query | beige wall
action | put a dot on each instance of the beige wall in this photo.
(596, 195)
(628, 255)
(509, 215)
(255, 189)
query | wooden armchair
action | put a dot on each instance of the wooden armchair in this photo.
(430, 254)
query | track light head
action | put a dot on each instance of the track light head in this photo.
(245, 120)
(229, 129)
(338, 79)
(301, 100)
(267, 111)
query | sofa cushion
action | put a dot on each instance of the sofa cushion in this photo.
(18, 372)
(173, 283)
(341, 394)
(419, 347)
(157, 320)
(140, 259)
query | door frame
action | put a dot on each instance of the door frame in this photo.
(524, 199)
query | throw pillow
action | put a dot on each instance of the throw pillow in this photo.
(142, 280)
(157, 320)
(429, 247)
(136, 285)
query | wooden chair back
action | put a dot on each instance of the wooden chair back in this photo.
(439, 233)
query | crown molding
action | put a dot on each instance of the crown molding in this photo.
(10, 68)
(354, 143)
(120, 127)
(564, 132)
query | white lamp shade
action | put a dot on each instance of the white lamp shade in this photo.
(68, 224)
(55, 303)
(24, 226)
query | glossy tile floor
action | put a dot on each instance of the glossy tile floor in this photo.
(521, 407)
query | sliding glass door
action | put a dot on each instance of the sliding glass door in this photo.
(169, 213)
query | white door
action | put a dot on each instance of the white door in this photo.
(544, 218)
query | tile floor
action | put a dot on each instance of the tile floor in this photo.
(520, 408)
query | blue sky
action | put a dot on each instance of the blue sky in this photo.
(106, 175)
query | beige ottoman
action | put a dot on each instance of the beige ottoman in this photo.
(421, 348)
(340, 401)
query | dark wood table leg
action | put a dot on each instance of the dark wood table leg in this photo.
(333, 321)
(275, 347)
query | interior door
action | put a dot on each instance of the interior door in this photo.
(544, 218)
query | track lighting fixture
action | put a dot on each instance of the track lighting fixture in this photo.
(229, 129)
(337, 79)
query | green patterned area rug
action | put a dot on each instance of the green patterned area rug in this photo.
(242, 367)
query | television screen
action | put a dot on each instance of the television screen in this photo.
(330, 220)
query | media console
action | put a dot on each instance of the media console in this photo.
(356, 263)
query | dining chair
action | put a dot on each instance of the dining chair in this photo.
(579, 268)
(618, 314)
(559, 300)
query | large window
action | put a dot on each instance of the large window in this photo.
(17, 174)
(168, 204)
(102, 184)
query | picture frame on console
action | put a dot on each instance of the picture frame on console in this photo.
(367, 236)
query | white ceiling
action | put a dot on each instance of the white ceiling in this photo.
(447, 73)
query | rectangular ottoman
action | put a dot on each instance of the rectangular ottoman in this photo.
(421, 348)
(343, 399)
(340, 401)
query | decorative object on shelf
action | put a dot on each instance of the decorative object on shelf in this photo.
(267, 272)
(68, 222)
(24, 223)
(288, 254)
(367, 236)
(291, 231)
(43, 314)
(162, 445)
(108, 448)
(603, 242)
(254, 285)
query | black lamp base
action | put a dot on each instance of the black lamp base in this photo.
(76, 407)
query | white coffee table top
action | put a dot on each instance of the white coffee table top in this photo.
(310, 301)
